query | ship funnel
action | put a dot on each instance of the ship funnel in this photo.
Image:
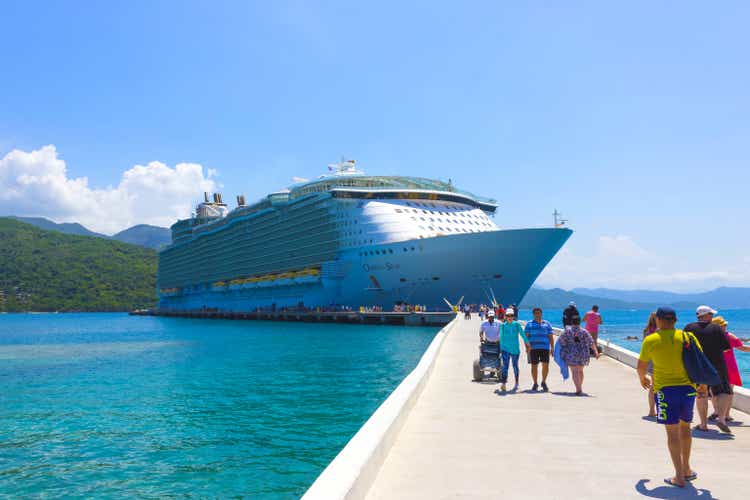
(216, 197)
(220, 200)
(240, 200)
(205, 196)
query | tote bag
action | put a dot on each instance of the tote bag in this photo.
(698, 367)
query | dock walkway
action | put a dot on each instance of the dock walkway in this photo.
(464, 439)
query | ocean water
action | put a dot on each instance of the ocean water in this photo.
(618, 325)
(109, 405)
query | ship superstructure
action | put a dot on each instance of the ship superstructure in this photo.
(350, 239)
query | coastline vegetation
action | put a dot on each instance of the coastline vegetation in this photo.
(51, 271)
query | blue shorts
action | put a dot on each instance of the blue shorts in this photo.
(674, 403)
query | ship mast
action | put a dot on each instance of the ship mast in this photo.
(559, 221)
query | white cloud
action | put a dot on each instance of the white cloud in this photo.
(620, 262)
(36, 183)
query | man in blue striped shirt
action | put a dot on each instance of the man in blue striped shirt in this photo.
(539, 332)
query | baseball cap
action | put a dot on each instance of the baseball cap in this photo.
(666, 313)
(490, 313)
(509, 311)
(572, 303)
(704, 310)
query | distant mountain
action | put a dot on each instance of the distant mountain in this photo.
(142, 234)
(63, 227)
(51, 271)
(557, 298)
(145, 236)
(720, 298)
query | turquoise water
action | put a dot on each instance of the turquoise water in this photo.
(620, 324)
(109, 405)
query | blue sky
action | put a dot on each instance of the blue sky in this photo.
(631, 119)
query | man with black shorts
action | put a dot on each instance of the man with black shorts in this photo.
(539, 333)
(714, 343)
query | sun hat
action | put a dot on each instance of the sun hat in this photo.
(704, 310)
(490, 313)
(719, 320)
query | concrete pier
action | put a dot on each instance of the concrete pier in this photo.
(437, 318)
(462, 439)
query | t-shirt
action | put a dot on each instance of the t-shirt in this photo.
(491, 331)
(538, 333)
(664, 349)
(593, 320)
(714, 343)
(509, 334)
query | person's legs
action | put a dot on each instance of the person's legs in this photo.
(504, 373)
(545, 371)
(675, 453)
(686, 442)
(701, 403)
(577, 374)
(729, 407)
(534, 367)
(723, 403)
(514, 358)
(651, 403)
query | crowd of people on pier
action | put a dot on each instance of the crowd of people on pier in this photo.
(682, 369)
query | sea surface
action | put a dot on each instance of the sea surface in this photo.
(618, 325)
(109, 405)
(112, 406)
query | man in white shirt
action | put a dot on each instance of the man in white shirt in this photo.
(490, 329)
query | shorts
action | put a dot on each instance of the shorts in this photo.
(537, 356)
(674, 403)
(724, 388)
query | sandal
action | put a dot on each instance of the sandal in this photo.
(670, 481)
(713, 416)
(691, 477)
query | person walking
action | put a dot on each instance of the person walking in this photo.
(648, 330)
(569, 312)
(539, 333)
(510, 331)
(575, 346)
(593, 319)
(674, 392)
(733, 372)
(714, 343)
(467, 311)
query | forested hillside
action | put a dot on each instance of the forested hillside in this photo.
(51, 271)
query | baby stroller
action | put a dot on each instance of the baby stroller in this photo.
(488, 363)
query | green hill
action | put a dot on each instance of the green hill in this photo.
(51, 271)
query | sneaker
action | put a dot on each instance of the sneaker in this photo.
(515, 387)
(544, 387)
(535, 387)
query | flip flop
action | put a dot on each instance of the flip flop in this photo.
(698, 428)
(691, 477)
(724, 428)
(670, 482)
(713, 416)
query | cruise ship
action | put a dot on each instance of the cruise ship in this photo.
(348, 239)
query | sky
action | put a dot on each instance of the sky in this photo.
(631, 119)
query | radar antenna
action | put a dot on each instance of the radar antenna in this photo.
(344, 167)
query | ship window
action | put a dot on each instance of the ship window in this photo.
(406, 249)
(390, 250)
(398, 210)
(377, 252)
(412, 249)
(435, 278)
(402, 280)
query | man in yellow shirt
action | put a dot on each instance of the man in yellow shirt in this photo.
(674, 392)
